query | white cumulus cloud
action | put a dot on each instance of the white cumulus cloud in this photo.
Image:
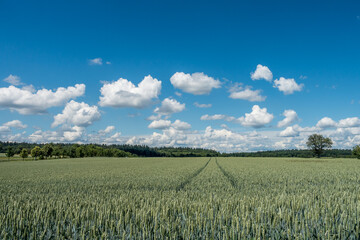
(160, 124)
(169, 106)
(349, 122)
(45, 136)
(218, 133)
(108, 129)
(166, 124)
(287, 85)
(15, 124)
(196, 83)
(289, 132)
(262, 72)
(180, 125)
(280, 145)
(4, 129)
(258, 118)
(326, 122)
(25, 101)
(290, 117)
(78, 114)
(74, 134)
(248, 94)
(124, 93)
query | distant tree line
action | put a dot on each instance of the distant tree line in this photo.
(65, 150)
(51, 150)
(332, 153)
(186, 152)
(62, 150)
(319, 146)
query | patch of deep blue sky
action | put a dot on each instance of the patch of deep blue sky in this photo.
(48, 44)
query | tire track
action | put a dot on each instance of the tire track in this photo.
(188, 180)
(227, 175)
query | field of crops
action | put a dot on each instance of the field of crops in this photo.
(180, 198)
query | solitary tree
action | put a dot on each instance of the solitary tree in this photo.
(35, 152)
(24, 153)
(10, 152)
(356, 151)
(317, 143)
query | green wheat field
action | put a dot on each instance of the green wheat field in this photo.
(180, 198)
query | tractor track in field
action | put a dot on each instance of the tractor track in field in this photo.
(189, 179)
(227, 175)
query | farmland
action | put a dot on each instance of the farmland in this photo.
(180, 198)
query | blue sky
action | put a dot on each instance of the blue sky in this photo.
(311, 49)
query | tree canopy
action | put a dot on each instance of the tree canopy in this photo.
(318, 143)
(10, 152)
(24, 153)
(356, 151)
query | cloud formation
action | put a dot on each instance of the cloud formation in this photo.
(287, 85)
(13, 80)
(96, 61)
(180, 125)
(289, 132)
(220, 134)
(202, 105)
(78, 114)
(213, 117)
(349, 122)
(223, 139)
(326, 122)
(124, 93)
(160, 124)
(24, 101)
(262, 72)
(218, 139)
(15, 124)
(40, 136)
(107, 130)
(166, 124)
(196, 83)
(247, 94)
(73, 134)
(4, 129)
(290, 117)
(258, 118)
(169, 106)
